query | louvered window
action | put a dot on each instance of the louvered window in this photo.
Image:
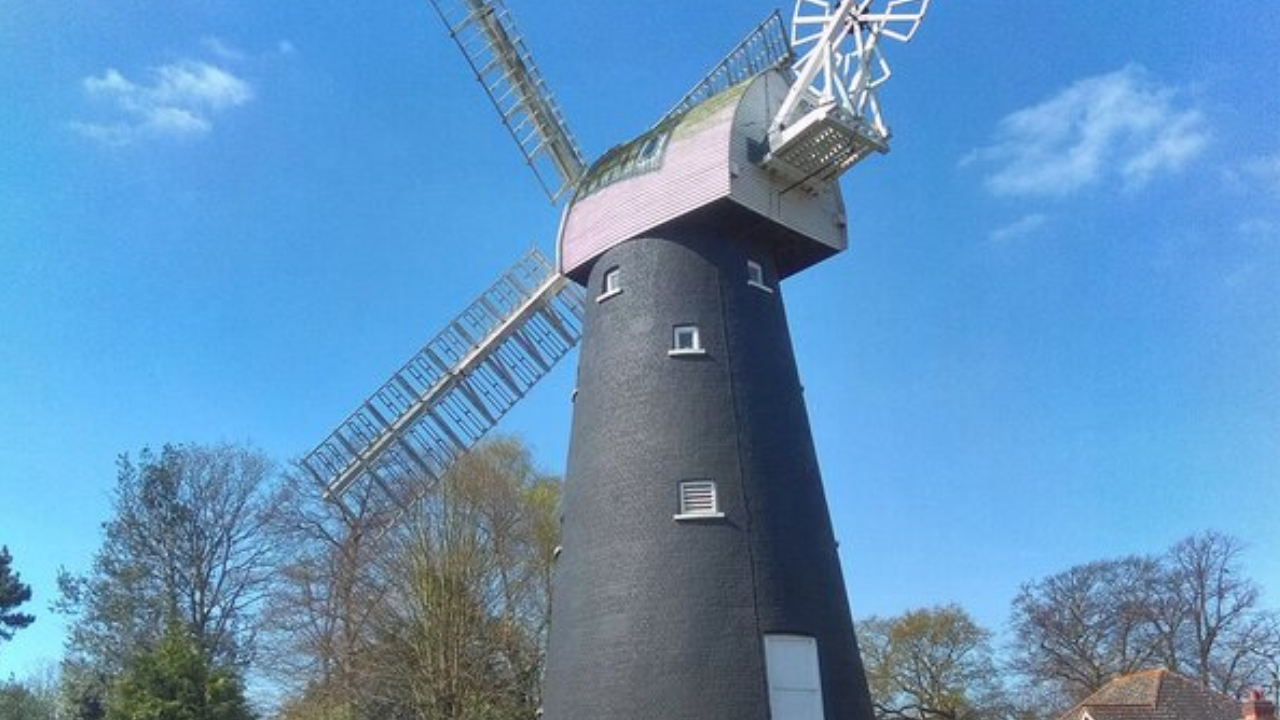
(698, 500)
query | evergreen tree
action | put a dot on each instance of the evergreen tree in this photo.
(176, 682)
(12, 594)
(186, 536)
(186, 542)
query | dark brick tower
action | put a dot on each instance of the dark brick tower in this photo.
(698, 578)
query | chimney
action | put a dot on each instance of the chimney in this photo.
(1257, 707)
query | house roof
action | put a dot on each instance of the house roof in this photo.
(1154, 695)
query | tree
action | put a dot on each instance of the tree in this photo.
(465, 624)
(186, 543)
(175, 681)
(18, 702)
(442, 614)
(1218, 634)
(319, 616)
(1192, 609)
(1078, 629)
(84, 690)
(931, 664)
(13, 593)
(36, 698)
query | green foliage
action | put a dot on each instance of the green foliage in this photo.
(13, 593)
(441, 617)
(84, 691)
(176, 682)
(185, 543)
(27, 701)
(931, 663)
(317, 704)
(467, 623)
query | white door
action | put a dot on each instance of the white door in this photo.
(795, 685)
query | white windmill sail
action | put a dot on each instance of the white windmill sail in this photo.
(489, 40)
(455, 389)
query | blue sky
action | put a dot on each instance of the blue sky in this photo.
(1055, 336)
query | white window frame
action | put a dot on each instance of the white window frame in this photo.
(687, 487)
(612, 284)
(755, 276)
(795, 677)
(695, 348)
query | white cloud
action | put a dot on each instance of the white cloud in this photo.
(284, 47)
(107, 134)
(181, 100)
(1264, 172)
(1019, 228)
(177, 121)
(222, 49)
(1121, 125)
(1258, 229)
(197, 84)
(110, 82)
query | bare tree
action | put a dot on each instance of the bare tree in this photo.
(187, 542)
(440, 615)
(1222, 636)
(328, 588)
(1192, 610)
(1078, 629)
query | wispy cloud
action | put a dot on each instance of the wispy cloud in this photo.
(1019, 228)
(1258, 229)
(180, 99)
(1264, 172)
(1122, 125)
(222, 49)
(1255, 183)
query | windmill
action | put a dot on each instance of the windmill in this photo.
(698, 575)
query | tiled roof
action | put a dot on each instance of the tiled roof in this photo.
(1154, 695)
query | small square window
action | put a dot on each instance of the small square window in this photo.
(698, 500)
(755, 276)
(686, 341)
(686, 338)
(612, 284)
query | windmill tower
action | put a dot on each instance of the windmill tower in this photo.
(698, 577)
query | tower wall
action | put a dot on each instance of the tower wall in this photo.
(655, 617)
